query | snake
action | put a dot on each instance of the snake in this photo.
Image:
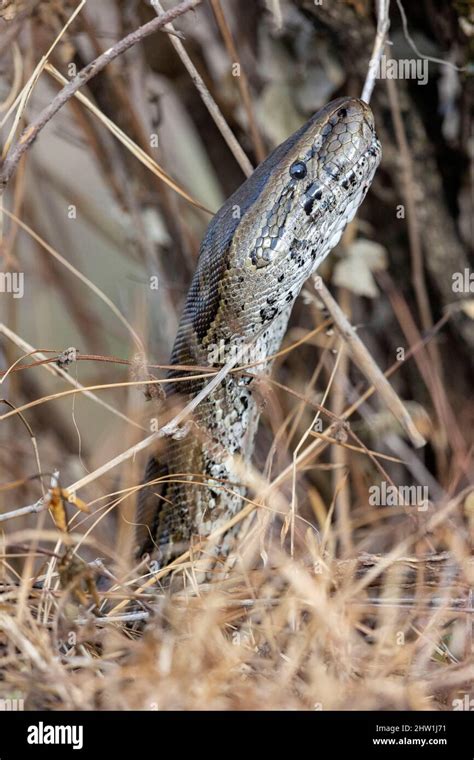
(261, 246)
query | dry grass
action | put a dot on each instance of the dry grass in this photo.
(381, 632)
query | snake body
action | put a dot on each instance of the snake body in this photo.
(259, 249)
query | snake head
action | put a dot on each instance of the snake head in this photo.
(318, 181)
(274, 231)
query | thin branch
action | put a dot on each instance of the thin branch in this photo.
(383, 25)
(209, 101)
(367, 365)
(38, 506)
(413, 46)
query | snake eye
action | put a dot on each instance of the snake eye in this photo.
(298, 170)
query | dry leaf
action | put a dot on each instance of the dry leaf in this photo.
(354, 272)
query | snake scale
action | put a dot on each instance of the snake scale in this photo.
(258, 250)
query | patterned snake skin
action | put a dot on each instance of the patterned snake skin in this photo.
(259, 249)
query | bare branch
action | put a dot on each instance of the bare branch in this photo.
(383, 25)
